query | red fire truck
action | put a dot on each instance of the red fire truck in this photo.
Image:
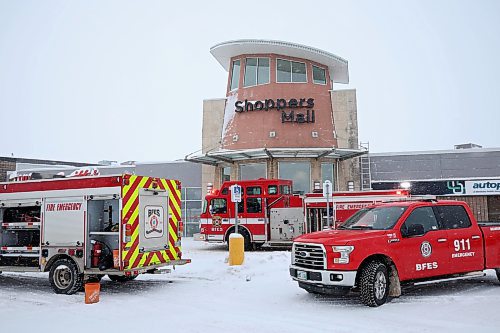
(270, 214)
(86, 227)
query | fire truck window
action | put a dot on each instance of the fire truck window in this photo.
(254, 205)
(219, 206)
(272, 189)
(285, 189)
(453, 217)
(224, 191)
(254, 190)
(240, 207)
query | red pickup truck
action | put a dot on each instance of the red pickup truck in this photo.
(385, 246)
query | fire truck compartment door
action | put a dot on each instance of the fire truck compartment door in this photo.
(64, 221)
(153, 220)
(286, 223)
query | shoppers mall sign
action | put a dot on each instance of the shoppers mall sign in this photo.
(292, 110)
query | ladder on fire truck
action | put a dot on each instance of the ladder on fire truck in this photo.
(364, 165)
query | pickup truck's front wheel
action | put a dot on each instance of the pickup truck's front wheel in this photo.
(374, 284)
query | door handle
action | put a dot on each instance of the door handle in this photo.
(442, 240)
(475, 237)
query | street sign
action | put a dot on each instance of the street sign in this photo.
(327, 192)
(327, 188)
(235, 193)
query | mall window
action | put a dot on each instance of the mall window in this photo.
(256, 71)
(235, 75)
(319, 75)
(290, 71)
(328, 173)
(191, 207)
(253, 171)
(299, 173)
(225, 174)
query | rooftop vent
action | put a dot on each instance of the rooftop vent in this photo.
(467, 146)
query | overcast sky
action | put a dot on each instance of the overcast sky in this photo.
(125, 80)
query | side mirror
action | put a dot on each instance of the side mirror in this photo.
(414, 230)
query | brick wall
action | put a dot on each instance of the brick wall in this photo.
(6, 165)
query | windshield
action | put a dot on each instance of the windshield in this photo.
(204, 207)
(378, 218)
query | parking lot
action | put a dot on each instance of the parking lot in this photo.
(209, 296)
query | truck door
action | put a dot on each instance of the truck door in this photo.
(64, 221)
(464, 239)
(219, 222)
(424, 253)
(255, 212)
(153, 220)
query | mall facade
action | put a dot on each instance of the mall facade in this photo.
(281, 118)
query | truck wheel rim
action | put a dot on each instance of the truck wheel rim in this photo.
(380, 285)
(62, 277)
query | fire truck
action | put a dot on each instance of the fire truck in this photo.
(82, 228)
(270, 214)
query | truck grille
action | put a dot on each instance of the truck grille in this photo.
(308, 256)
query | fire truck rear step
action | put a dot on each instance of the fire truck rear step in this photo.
(19, 269)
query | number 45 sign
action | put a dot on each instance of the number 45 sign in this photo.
(235, 193)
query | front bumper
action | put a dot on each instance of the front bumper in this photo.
(199, 237)
(323, 277)
(208, 238)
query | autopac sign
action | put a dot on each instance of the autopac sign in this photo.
(478, 187)
(447, 187)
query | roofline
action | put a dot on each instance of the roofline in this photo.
(435, 152)
(280, 43)
(435, 179)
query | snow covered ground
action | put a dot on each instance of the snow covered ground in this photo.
(209, 296)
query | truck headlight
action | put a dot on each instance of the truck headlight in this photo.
(344, 252)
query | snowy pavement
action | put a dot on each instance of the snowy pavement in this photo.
(209, 296)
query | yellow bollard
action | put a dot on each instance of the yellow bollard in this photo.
(236, 249)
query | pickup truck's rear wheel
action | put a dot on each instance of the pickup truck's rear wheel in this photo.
(65, 277)
(374, 284)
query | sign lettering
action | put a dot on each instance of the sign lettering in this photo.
(280, 104)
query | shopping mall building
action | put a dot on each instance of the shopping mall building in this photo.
(281, 118)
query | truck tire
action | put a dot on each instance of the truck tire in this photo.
(121, 278)
(65, 277)
(246, 237)
(497, 270)
(374, 284)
